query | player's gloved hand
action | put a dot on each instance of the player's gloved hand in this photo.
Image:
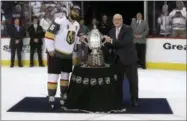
(51, 53)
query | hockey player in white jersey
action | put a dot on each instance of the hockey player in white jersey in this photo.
(59, 41)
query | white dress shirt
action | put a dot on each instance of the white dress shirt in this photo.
(117, 32)
(35, 27)
(138, 22)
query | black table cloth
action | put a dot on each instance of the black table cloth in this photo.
(94, 89)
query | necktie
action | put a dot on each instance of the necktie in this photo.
(138, 22)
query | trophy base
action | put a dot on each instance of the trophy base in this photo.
(96, 60)
(84, 65)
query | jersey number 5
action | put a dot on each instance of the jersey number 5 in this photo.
(52, 27)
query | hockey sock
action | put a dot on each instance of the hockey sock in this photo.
(63, 90)
(63, 86)
(52, 84)
(64, 82)
(52, 87)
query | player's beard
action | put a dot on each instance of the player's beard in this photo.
(75, 17)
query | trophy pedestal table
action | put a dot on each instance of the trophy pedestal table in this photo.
(94, 89)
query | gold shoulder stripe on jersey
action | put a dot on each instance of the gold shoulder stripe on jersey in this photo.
(49, 35)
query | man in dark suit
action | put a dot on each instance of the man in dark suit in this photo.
(36, 34)
(121, 39)
(16, 33)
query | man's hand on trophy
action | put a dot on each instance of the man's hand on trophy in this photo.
(84, 39)
(104, 37)
(108, 39)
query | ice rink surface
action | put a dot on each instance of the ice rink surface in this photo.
(18, 83)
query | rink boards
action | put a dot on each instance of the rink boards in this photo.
(166, 53)
(161, 53)
(5, 53)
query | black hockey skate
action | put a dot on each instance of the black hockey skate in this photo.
(51, 102)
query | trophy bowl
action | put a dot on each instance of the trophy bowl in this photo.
(94, 39)
(95, 58)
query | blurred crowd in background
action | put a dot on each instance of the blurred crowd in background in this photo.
(167, 19)
(45, 11)
(172, 23)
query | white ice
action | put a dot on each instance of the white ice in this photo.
(17, 83)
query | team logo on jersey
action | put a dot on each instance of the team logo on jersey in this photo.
(70, 37)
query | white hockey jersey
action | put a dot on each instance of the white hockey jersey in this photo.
(62, 35)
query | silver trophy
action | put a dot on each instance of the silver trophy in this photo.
(95, 58)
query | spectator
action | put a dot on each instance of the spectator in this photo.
(68, 5)
(82, 48)
(83, 28)
(36, 6)
(2, 12)
(64, 10)
(3, 27)
(50, 4)
(104, 26)
(164, 22)
(104, 29)
(17, 13)
(27, 16)
(16, 33)
(94, 22)
(140, 31)
(178, 20)
(45, 22)
(7, 9)
(42, 10)
(57, 12)
(49, 10)
(36, 34)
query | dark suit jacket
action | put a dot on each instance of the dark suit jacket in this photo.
(38, 33)
(124, 46)
(16, 35)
